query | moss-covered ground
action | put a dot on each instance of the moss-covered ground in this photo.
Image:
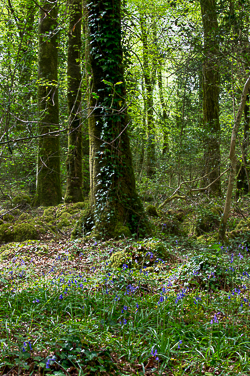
(176, 303)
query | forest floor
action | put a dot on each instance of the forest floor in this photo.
(176, 303)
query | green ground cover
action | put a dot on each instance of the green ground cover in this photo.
(65, 308)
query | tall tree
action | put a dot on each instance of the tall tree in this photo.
(149, 79)
(74, 187)
(115, 208)
(48, 163)
(211, 80)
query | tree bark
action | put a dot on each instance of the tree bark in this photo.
(233, 159)
(149, 86)
(115, 209)
(48, 164)
(211, 80)
(164, 115)
(74, 188)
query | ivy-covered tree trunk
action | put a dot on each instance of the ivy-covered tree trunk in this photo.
(48, 163)
(211, 79)
(115, 209)
(74, 189)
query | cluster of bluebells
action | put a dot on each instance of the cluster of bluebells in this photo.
(25, 344)
(197, 299)
(154, 353)
(215, 318)
(181, 295)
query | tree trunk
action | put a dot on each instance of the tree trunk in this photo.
(164, 115)
(211, 94)
(149, 86)
(115, 209)
(74, 187)
(233, 159)
(48, 164)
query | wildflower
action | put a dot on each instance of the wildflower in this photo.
(24, 345)
(180, 342)
(36, 301)
(240, 256)
(61, 297)
(137, 305)
(153, 353)
(161, 299)
(215, 319)
(30, 346)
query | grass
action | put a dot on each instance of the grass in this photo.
(65, 311)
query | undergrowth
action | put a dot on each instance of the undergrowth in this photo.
(64, 310)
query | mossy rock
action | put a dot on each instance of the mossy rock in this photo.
(25, 231)
(8, 218)
(78, 205)
(48, 218)
(151, 210)
(142, 256)
(18, 233)
(24, 217)
(64, 220)
(121, 231)
(49, 212)
(22, 199)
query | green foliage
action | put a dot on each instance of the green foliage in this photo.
(103, 319)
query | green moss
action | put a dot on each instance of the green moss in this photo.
(151, 210)
(17, 233)
(16, 212)
(22, 199)
(121, 231)
(142, 256)
(64, 220)
(49, 211)
(8, 218)
(24, 217)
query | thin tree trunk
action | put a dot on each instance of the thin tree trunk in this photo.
(149, 86)
(233, 159)
(48, 164)
(74, 160)
(211, 80)
(164, 116)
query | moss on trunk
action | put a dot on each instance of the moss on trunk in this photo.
(48, 163)
(74, 160)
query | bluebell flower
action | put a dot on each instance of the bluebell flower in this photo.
(24, 346)
(180, 342)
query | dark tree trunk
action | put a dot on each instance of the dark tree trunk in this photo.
(74, 188)
(48, 164)
(115, 209)
(211, 94)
